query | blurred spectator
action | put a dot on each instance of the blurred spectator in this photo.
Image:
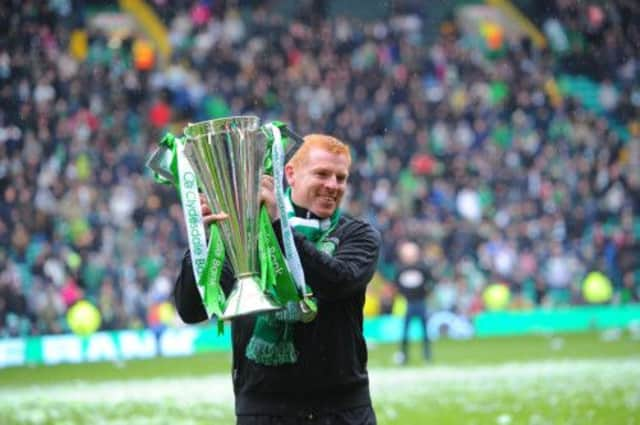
(414, 282)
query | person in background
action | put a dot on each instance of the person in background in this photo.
(414, 282)
(328, 382)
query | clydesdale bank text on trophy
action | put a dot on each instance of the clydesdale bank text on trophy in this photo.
(225, 159)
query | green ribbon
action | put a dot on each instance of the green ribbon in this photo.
(273, 269)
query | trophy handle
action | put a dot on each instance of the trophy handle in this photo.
(295, 141)
(157, 162)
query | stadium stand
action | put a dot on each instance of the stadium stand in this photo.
(508, 163)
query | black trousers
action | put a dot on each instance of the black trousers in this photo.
(416, 309)
(357, 416)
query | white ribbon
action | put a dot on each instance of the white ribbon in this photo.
(190, 199)
(290, 250)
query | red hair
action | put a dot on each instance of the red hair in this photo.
(322, 141)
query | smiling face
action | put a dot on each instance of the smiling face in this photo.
(319, 180)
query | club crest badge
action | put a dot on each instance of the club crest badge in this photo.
(329, 245)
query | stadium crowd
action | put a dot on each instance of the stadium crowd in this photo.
(498, 173)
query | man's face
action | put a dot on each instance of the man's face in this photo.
(318, 183)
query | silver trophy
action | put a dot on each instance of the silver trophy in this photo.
(227, 154)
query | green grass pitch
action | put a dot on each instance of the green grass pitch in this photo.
(591, 378)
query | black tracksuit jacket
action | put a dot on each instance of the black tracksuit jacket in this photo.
(331, 371)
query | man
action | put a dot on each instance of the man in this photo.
(328, 382)
(414, 282)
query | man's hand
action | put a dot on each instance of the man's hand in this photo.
(268, 196)
(208, 216)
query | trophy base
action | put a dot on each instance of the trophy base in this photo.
(247, 298)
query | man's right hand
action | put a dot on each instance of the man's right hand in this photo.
(209, 216)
